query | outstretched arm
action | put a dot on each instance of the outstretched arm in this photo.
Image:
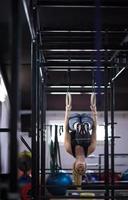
(67, 137)
(94, 116)
(67, 111)
(92, 146)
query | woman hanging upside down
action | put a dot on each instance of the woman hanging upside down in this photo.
(80, 134)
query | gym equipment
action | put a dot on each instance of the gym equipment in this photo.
(58, 180)
(124, 176)
(95, 177)
(93, 99)
(57, 183)
(117, 177)
(80, 193)
(25, 187)
(68, 100)
(90, 178)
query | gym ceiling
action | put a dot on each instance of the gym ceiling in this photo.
(70, 31)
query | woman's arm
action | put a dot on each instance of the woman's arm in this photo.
(94, 116)
(93, 108)
(67, 136)
(67, 111)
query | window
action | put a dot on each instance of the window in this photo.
(3, 91)
(101, 132)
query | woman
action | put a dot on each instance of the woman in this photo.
(80, 134)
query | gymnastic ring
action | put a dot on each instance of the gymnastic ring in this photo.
(68, 99)
(93, 99)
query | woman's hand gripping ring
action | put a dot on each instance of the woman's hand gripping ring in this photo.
(68, 102)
